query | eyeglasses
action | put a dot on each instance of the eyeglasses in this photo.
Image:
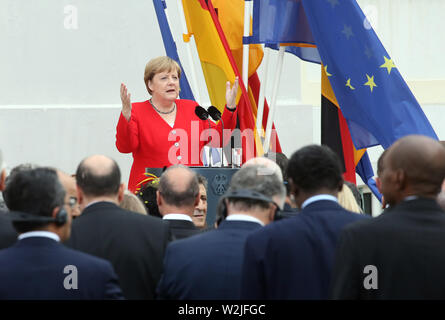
(72, 202)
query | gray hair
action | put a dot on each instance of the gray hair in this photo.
(178, 198)
(252, 178)
(202, 180)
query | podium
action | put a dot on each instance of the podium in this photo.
(218, 180)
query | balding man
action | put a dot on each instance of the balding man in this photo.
(69, 184)
(133, 243)
(400, 254)
(208, 266)
(177, 197)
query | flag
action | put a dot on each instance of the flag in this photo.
(375, 100)
(219, 65)
(231, 17)
(170, 47)
(335, 134)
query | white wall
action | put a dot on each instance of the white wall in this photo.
(59, 98)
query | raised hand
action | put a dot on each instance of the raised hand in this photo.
(231, 94)
(126, 102)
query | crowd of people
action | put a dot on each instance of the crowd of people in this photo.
(55, 223)
(285, 228)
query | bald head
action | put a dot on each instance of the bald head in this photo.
(268, 166)
(98, 175)
(414, 165)
(179, 186)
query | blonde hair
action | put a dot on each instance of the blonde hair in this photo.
(157, 65)
(132, 203)
(347, 200)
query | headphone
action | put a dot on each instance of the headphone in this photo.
(244, 194)
(60, 219)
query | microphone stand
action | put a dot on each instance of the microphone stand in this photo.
(210, 146)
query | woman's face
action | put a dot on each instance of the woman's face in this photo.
(165, 85)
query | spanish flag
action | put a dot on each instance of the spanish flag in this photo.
(218, 37)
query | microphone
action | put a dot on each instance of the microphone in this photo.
(204, 115)
(216, 115)
(201, 113)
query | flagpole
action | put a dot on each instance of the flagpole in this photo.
(247, 10)
(274, 98)
(186, 38)
(259, 119)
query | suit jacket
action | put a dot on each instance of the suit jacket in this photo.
(146, 135)
(181, 229)
(293, 258)
(405, 244)
(34, 268)
(8, 235)
(206, 266)
(133, 243)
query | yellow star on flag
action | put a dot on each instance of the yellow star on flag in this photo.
(370, 82)
(326, 70)
(348, 84)
(389, 64)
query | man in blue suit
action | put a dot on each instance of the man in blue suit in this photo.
(38, 266)
(292, 258)
(208, 265)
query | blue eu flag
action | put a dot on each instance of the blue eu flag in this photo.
(373, 97)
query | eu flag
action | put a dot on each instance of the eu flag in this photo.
(371, 93)
(374, 98)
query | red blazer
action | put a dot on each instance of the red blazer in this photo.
(155, 144)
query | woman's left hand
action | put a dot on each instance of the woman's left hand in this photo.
(231, 94)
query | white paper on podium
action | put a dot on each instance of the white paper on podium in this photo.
(216, 157)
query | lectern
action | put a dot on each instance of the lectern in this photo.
(218, 182)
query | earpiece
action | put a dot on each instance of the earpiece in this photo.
(60, 219)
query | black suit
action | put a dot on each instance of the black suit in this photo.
(134, 244)
(35, 268)
(181, 229)
(8, 235)
(406, 244)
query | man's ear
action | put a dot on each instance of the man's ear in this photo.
(80, 196)
(158, 198)
(272, 212)
(120, 194)
(400, 179)
(2, 180)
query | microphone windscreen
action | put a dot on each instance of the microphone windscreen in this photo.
(201, 113)
(214, 113)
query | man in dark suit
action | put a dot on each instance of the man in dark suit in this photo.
(177, 197)
(292, 258)
(400, 254)
(8, 235)
(38, 266)
(208, 266)
(134, 243)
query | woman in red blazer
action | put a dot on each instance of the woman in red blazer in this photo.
(164, 130)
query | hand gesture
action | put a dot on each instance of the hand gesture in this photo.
(231, 94)
(126, 102)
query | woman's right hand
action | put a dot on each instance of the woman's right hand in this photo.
(126, 102)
